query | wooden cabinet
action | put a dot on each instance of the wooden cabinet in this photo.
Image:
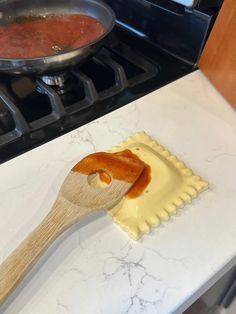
(218, 60)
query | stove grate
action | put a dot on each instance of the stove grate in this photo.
(119, 67)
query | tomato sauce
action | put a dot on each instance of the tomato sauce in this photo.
(37, 37)
(122, 165)
(143, 180)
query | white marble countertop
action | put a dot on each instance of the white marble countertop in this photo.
(94, 267)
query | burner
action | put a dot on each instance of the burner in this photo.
(61, 82)
(57, 79)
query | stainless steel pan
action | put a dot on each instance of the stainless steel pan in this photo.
(10, 9)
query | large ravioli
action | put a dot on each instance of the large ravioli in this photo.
(172, 186)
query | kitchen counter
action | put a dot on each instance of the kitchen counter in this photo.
(95, 267)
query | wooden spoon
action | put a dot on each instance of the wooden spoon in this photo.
(76, 199)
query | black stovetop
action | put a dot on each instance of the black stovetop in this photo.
(124, 69)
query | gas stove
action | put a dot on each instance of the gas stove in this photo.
(138, 57)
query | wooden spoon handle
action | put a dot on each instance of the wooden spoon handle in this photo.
(22, 259)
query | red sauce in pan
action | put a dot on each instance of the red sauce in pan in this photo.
(37, 37)
(123, 165)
